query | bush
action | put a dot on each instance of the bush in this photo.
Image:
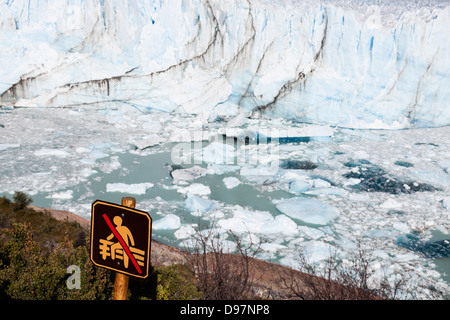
(26, 274)
(221, 275)
(176, 282)
(21, 200)
(352, 280)
(36, 251)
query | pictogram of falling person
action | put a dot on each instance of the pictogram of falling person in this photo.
(126, 235)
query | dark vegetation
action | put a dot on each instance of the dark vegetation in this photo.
(36, 251)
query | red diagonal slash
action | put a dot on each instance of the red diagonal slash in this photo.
(124, 245)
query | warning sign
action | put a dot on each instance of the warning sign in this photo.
(120, 238)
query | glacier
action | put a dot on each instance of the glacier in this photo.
(359, 64)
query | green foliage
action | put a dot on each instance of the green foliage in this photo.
(21, 200)
(36, 251)
(176, 283)
(26, 274)
(46, 230)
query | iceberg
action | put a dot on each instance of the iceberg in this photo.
(196, 188)
(170, 221)
(231, 182)
(356, 64)
(258, 222)
(136, 188)
(316, 251)
(188, 173)
(197, 204)
(218, 153)
(308, 210)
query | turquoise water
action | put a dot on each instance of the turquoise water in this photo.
(153, 165)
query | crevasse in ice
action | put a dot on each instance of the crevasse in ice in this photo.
(359, 64)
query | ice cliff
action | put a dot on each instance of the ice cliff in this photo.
(371, 64)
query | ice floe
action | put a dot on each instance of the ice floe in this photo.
(231, 182)
(170, 221)
(135, 188)
(308, 210)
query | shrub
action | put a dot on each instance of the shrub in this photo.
(221, 275)
(21, 200)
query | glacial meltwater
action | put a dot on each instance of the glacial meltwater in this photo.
(322, 194)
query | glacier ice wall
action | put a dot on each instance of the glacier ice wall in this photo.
(371, 64)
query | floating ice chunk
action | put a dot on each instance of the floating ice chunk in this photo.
(220, 153)
(446, 203)
(197, 204)
(316, 251)
(401, 226)
(382, 234)
(258, 222)
(108, 167)
(86, 172)
(138, 188)
(272, 247)
(308, 210)
(258, 171)
(391, 204)
(150, 141)
(197, 189)
(246, 221)
(346, 244)
(52, 153)
(220, 169)
(170, 221)
(328, 191)
(188, 173)
(352, 182)
(433, 176)
(231, 182)
(185, 231)
(64, 195)
(298, 186)
(311, 233)
(406, 257)
(281, 224)
(4, 146)
(319, 183)
(97, 154)
(380, 254)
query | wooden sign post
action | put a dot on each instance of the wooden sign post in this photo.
(121, 281)
(120, 241)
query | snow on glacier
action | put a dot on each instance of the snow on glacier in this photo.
(369, 64)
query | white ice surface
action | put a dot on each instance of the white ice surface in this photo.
(135, 188)
(308, 210)
(170, 221)
(231, 182)
(363, 64)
